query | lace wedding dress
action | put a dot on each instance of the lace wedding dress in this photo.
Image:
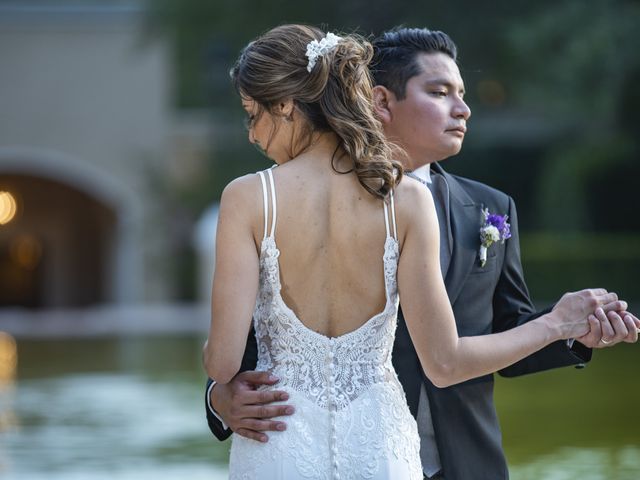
(351, 420)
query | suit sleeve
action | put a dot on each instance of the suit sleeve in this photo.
(512, 306)
(248, 363)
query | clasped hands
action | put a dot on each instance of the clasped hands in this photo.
(597, 318)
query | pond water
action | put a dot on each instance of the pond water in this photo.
(570, 424)
(132, 408)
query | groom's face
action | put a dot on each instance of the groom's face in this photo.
(430, 121)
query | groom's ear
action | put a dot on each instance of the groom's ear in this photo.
(382, 97)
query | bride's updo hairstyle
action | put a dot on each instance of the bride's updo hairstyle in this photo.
(333, 94)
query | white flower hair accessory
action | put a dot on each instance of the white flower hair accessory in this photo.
(317, 48)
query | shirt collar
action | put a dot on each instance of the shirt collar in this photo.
(423, 173)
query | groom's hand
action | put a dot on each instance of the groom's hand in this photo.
(246, 410)
(572, 311)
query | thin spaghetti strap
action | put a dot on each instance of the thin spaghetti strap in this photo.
(393, 216)
(265, 203)
(386, 217)
(273, 202)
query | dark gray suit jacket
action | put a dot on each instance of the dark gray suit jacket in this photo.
(485, 299)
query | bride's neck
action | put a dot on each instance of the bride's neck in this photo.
(323, 145)
(326, 149)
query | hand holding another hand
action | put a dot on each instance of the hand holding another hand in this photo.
(570, 316)
(597, 318)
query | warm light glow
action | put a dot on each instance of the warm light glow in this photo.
(8, 207)
(8, 358)
(26, 251)
(492, 93)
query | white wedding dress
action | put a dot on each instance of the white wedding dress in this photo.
(351, 419)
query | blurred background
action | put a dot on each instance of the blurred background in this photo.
(118, 131)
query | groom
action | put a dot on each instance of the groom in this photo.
(418, 98)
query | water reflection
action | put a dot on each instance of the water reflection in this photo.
(570, 424)
(8, 363)
(573, 464)
(117, 409)
(8, 359)
(132, 408)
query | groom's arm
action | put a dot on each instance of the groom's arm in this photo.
(216, 425)
(512, 306)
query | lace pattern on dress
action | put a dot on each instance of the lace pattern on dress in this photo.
(331, 372)
(345, 388)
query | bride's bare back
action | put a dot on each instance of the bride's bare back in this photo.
(331, 235)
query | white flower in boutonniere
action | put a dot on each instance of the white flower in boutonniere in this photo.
(495, 229)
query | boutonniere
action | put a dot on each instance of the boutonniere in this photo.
(495, 229)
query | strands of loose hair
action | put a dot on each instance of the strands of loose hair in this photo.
(336, 96)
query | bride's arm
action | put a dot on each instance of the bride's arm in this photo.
(446, 358)
(235, 283)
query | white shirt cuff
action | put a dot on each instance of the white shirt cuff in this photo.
(213, 412)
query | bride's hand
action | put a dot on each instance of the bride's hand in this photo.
(610, 326)
(570, 316)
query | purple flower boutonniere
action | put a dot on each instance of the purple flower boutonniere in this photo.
(495, 229)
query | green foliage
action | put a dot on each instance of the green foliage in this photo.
(207, 35)
(570, 171)
(555, 263)
(575, 63)
(572, 59)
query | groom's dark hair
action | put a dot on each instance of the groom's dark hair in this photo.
(395, 53)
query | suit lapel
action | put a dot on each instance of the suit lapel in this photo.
(466, 220)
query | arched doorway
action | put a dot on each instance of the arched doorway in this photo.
(71, 242)
(53, 253)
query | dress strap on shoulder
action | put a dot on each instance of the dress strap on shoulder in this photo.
(273, 202)
(265, 199)
(264, 203)
(393, 216)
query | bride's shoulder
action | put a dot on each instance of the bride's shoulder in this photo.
(241, 190)
(414, 207)
(410, 194)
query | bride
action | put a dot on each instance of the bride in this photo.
(318, 252)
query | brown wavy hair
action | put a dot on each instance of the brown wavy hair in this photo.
(336, 96)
